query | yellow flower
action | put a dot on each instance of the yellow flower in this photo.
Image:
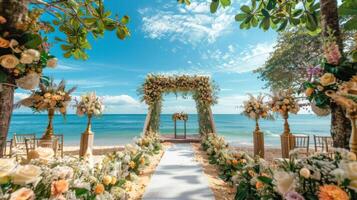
(304, 172)
(327, 79)
(309, 91)
(114, 180)
(99, 189)
(107, 180)
(132, 164)
(332, 192)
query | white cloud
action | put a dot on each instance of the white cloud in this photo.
(188, 24)
(120, 100)
(21, 95)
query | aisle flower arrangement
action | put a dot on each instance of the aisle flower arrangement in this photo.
(71, 178)
(315, 177)
(228, 160)
(180, 116)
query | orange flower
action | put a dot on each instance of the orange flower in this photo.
(228, 162)
(132, 164)
(332, 192)
(59, 187)
(23, 194)
(259, 185)
(234, 162)
(2, 20)
(99, 189)
(309, 91)
(142, 160)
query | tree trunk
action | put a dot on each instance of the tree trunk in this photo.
(340, 124)
(13, 11)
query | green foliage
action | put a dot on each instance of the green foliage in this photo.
(286, 66)
(348, 9)
(279, 15)
(79, 18)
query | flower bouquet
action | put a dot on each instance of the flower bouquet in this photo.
(89, 105)
(255, 109)
(334, 69)
(51, 98)
(284, 102)
(24, 56)
(180, 116)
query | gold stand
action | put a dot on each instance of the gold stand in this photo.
(49, 131)
(287, 139)
(258, 140)
(87, 139)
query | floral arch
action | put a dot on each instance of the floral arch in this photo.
(202, 89)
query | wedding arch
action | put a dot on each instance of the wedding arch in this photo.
(202, 89)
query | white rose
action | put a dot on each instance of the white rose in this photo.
(26, 174)
(285, 181)
(52, 63)
(7, 166)
(350, 172)
(14, 45)
(304, 172)
(9, 61)
(33, 53)
(23, 194)
(26, 58)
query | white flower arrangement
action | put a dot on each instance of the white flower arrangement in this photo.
(89, 104)
(255, 108)
(73, 178)
(284, 102)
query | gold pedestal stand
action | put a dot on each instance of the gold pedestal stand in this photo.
(258, 141)
(87, 138)
(287, 139)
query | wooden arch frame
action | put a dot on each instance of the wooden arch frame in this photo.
(201, 88)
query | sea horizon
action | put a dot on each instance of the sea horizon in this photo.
(120, 129)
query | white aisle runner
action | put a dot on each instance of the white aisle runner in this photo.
(178, 176)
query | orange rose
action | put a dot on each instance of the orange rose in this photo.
(99, 189)
(332, 192)
(142, 160)
(228, 162)
(234, 162)
(259, 185)
(309, 91)
(59, 187)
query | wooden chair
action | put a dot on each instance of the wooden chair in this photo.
(302, 143)
(60, 143)
(19, 142)
(6, 148)
(322, 143)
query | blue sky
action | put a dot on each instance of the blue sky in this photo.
(169, 38)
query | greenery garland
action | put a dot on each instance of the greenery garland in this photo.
(203, 90)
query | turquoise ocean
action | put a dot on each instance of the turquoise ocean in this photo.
(119, 129)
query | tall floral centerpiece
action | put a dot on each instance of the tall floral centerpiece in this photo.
(91, 106)
(255, 109)
(284, 102)
(49, 97)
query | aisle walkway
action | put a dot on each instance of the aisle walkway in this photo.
(178, 176)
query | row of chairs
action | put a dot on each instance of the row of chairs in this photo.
(22, 144)
(321, 143)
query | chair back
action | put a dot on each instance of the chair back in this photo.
(302, 142)
(20, 139)
(322, 143)
(30, 144)
(60, 143)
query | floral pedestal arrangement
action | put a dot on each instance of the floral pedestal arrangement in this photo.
(255, 109)
(284, 102)
(89, 105)
(49, 97)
